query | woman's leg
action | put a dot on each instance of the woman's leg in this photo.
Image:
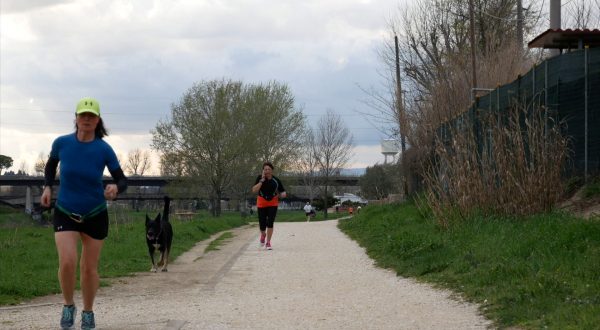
(66, 246)
(90, 255)
(272, 212)
(262, 219)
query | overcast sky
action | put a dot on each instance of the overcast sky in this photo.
(139, 57)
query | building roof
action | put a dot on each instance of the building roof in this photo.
(566, 39)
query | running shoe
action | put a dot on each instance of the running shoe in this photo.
(262, 239)
(87, 320)
(269, 246)
(68, 316)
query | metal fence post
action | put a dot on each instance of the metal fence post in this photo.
(533, 83)
(498, 104)
(546, 98)
(585, 100)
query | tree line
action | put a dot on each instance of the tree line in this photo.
(221, 131)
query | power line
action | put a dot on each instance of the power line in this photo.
(72, 112)
(505, 18)
(127, 113)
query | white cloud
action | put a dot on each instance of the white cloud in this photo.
(367, 155)
(138, 57)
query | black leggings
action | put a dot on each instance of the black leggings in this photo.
(266, 217)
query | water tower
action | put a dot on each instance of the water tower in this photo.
(389, 147)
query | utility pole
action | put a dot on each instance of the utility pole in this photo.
(401, 118)
(473, 46)
(520, 24)
(555, 23)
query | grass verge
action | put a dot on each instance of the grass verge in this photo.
(592, 189)
(218, 242)
(299, 216)
(534, 272)
(29, 263)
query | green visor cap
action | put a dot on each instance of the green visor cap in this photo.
(88, 104)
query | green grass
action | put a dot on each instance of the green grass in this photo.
(592, 189)
(10, 217)
(536, 272)
(300, 216)
(29, 263)
(218, 242)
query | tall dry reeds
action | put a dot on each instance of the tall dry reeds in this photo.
(490, 164)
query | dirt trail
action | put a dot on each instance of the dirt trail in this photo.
(314, 278)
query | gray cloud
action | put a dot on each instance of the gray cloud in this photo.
(138, 57)
(19, 6)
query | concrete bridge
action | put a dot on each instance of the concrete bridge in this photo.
(23, 190)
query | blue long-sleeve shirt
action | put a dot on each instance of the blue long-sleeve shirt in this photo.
(81, 167)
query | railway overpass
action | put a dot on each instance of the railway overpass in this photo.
(24, 190)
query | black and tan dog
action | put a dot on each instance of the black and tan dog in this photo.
(159, 235)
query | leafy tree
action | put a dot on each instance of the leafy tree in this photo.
(307, 167)
(280, 126)
(378, 181)
(5, 162)
(219, 130)
(273, 132)
(332, 148)
(320, 206)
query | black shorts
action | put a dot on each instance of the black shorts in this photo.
(266, 217)
(96, 227)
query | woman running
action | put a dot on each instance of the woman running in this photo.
(80, 211)
(269, 189)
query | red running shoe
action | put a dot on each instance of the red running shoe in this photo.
(262, 239)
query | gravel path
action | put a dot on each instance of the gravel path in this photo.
(314, 278)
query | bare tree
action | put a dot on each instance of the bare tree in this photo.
(436, 64)
(138, 162)
(332, 148)
(23, 168)
(582, 14)
(307, 166)
(435, 53)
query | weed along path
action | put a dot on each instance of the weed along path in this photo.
(314, 278)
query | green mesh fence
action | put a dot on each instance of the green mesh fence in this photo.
(569, 86)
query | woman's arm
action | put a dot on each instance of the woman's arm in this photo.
(49, 177)
(120, 179)
(257, 186)
(112, 189)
